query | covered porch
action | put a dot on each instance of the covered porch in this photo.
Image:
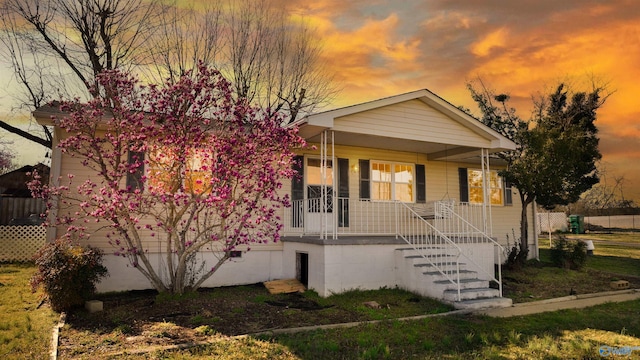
(396, 169)
(390, 189)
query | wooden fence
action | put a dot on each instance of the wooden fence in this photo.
(20, 211)
(20, 243)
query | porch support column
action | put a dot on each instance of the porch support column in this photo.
(323, 185)
(334, 199)
(327, 227)
(486, 191)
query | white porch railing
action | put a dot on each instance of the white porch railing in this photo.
(462, 222)
(344, 216)
(429, 243)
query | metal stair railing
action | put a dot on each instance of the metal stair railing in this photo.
(451, 223)
(422, 237)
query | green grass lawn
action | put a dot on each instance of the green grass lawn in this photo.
(609, 255)
(626, 237)
(568, 334)
(25, 328)
(25, 325)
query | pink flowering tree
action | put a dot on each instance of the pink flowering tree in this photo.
(183, 165)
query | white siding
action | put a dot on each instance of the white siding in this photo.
(442, 183)
(412, 120)
(98, 230)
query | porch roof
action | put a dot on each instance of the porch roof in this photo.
(418, 121)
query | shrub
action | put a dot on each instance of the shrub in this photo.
(67, 272)
(516, 256)
(569, 254)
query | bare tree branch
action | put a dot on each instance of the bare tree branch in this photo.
(57, 47)
(26, 135)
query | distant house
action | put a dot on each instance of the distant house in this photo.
(14, 183)
(17, 207)
(402, 191)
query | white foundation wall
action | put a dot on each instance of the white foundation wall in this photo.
(331, 268)
(253, 267)
(339, 268)
(480, 258)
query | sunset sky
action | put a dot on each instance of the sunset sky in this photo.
(381, 48)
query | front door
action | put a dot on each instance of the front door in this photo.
(318, 196)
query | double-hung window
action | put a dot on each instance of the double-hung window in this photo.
(392, 181)
(495, 187)
(190, 171)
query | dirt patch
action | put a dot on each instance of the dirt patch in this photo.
(135, 320)
(537, 283)
(297, 301)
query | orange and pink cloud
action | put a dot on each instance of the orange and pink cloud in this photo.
(381, 48)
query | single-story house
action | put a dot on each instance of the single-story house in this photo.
(401, 191)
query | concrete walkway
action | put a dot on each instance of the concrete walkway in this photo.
(567, 302)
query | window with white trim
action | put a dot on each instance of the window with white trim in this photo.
(315, 184)
(392, 181)
(495, 186)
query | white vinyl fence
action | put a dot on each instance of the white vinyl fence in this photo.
(558, 222)
(613, 221)
(20, 243)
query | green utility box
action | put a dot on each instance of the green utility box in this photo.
(576, 224)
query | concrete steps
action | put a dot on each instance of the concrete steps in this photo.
(470, 294)
(486, 303)
(424, 275)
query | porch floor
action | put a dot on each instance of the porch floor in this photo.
(345, 240)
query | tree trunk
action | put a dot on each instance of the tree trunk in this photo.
(524, 222)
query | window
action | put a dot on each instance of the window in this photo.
(168, 173)
(315, 183)
(134, 176)
(392, 181)
(475, 180)
(314, 172)
(198, 174)
(164, 174)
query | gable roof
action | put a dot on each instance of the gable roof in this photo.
(429, 112)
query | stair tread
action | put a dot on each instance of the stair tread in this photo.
(423, 248)
(480, 300)
(462, 271)
(469, 290)
(461, 280)
(438, 264)
(428, 255)
(483, 303)
(411, 257)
